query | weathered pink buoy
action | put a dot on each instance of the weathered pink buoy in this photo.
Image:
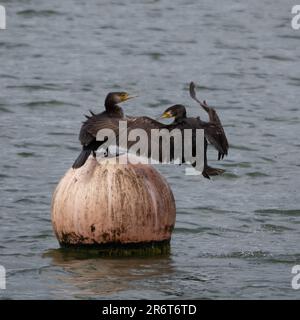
(109, 204)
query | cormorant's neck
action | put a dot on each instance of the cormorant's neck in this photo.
(114, 110)
(180, 118)
(111, 107)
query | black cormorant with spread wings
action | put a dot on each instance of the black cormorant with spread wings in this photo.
(178, 112)
(110, 120)
(181, 123)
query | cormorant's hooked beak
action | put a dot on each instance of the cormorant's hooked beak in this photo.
(167, 115)
(128, 97)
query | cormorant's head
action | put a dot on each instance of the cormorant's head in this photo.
(177, 111)
(114, 98)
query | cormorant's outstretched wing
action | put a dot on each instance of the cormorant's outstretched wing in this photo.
(95, 123)
(100, 121)
(215, 134)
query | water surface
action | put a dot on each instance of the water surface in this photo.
(236, 236)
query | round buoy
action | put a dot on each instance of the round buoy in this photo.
(107, 204)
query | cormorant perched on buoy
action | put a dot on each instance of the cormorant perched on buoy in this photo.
(109, 119)
(178, 112)
(213, 129)
(148, 124)
(87, 135)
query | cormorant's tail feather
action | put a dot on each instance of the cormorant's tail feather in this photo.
(221, 155)
(80, 161)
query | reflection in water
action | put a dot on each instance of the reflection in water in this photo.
(106, 276)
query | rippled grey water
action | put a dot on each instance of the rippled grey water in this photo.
(236, 236)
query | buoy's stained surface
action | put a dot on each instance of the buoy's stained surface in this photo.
(108, 203)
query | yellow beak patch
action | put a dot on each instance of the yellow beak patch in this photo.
(167, 115)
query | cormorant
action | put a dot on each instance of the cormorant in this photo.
(178, 112)
(147, 124)
(110, 120)
(88, 131)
